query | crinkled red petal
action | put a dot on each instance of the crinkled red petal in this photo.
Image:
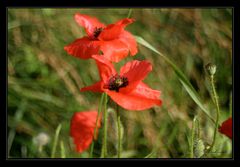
(88, 22)
(112, 31)
(129, 40)
(97, 87)
(82, 129)
(114, 50)
(141, 98)
(105, 67)
(83, 48)
(135, 71)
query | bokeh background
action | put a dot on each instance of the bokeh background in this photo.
(44, 81)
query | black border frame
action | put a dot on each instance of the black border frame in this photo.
(140, 4)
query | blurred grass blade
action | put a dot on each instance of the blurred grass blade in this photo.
(192, 137)
(151, 155)
(63, 154)
(196, 99)
(17, 118)
(183, 79)
(129, 13)
(127, 154)
(120, 132)
(55, 140)
(198, 148)
(32, 94)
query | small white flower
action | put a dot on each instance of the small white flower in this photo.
(41, 139)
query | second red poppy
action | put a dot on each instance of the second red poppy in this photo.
(126, 88)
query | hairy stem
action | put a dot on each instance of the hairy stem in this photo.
(215, 99)
(104, 146)
(119, 134)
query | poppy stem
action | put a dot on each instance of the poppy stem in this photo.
(104, 146)
(215, 100)
(119, 133)
(95, 129)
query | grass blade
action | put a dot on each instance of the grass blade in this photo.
(183, 79)
(55, 140)
(17, 118)
(151, 155)
(63, 154)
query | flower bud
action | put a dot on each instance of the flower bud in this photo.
(211, 68)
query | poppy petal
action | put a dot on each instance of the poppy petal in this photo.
(112, 31)
(135, 71)
(83, 48)
(114, 50)
(82, 129)
(130, 41)
(82, 142)
(88, 22)
(226, 128)
(141, 98)
(97, 87)
(105, 67)
(124, 22)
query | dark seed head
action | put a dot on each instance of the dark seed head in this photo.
(116, 82)
(97, 31)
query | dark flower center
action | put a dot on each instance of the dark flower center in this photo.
(97, 31)
(116, 82)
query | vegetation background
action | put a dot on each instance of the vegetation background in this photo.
(44, 81)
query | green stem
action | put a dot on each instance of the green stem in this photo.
(104, 146)
(215, 99)
(55, 140)
(63, 155)
(95, 129)
(129, 13)
(119, 133)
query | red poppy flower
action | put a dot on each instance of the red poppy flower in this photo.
(226, 128)
(82, 129)
(126, 88)
(112, 39)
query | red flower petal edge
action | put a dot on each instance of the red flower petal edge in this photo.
(89, 23)
(82, 129)
(226, 128)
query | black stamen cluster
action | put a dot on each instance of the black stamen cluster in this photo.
(116, 82)
(97, 31)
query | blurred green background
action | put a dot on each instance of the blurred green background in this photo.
(44, 81)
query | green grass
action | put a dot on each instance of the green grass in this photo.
(44, 81)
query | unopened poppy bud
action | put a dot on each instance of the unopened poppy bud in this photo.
(211, 68)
